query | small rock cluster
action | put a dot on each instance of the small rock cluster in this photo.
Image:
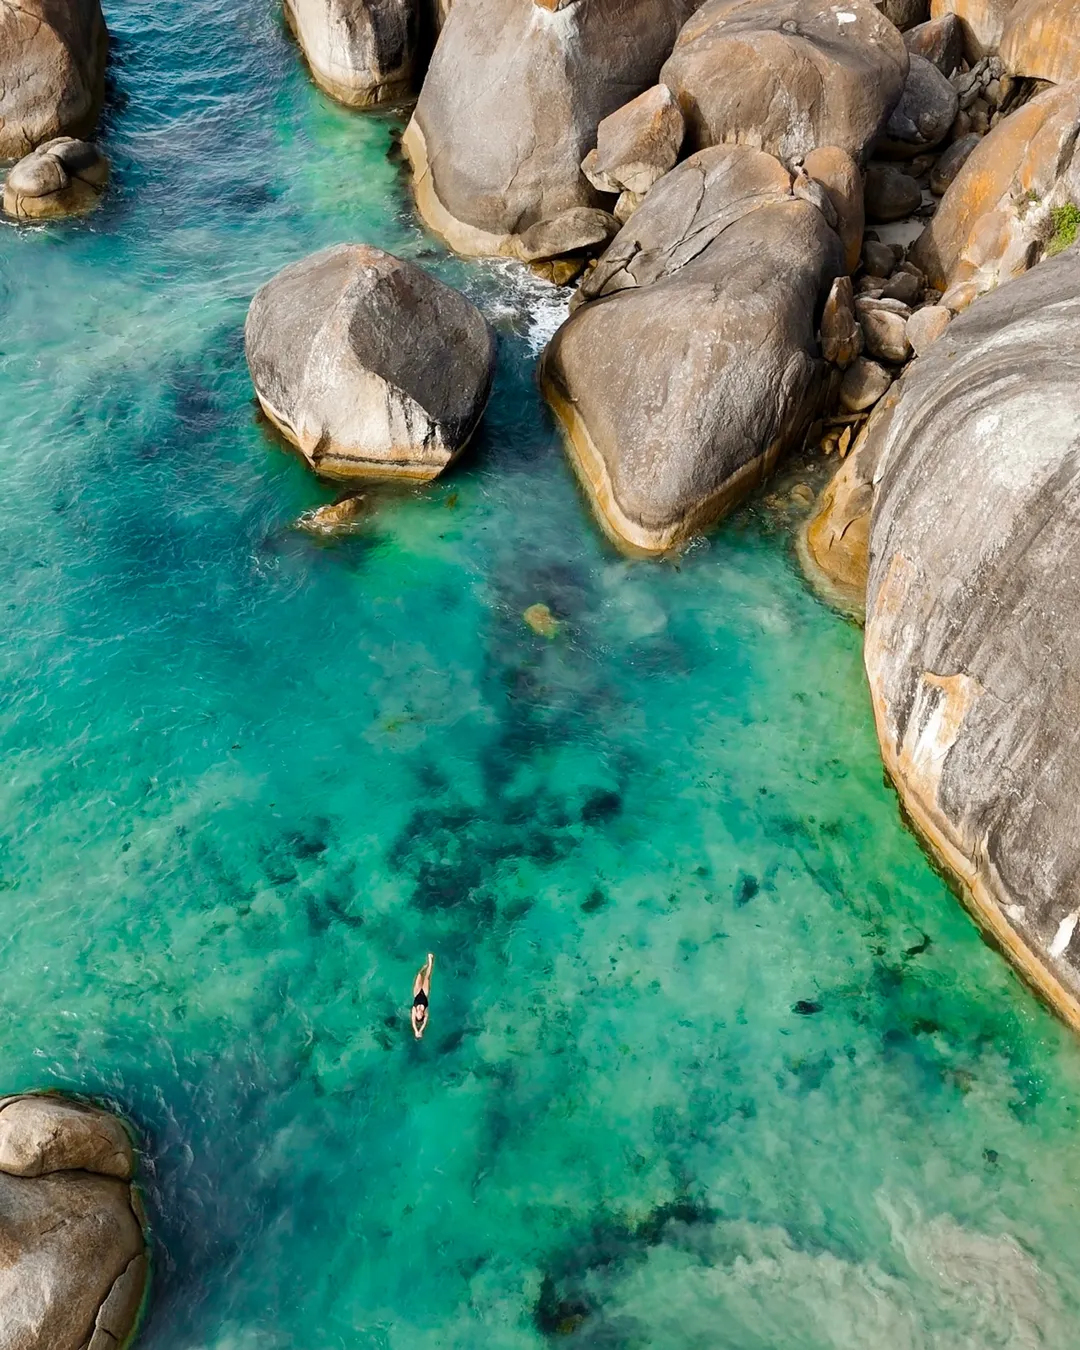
(63, 177)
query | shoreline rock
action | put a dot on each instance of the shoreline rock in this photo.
(63, 177)
(363, 53)
(73, 1257)
(52, 71)
(371, 367)
(974, 669)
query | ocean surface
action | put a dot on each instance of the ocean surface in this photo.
(715, 1059)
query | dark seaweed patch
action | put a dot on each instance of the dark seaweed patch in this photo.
(746, 888)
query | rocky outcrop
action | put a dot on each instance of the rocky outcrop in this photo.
(63, 177)
(972, 657)
(362, 52)
(510, 107)
(787, 76)
(1004, 206)
(983, 22)
(367, 364)
(73, 1263)
(52, 71)
(694, 363)
(1041, 40)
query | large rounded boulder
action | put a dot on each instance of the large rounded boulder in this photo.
(52, 71)
(693, 363)
(369, 365)
(982, 21)
(1011, 200)
(787, 76)
(510, 107)
(362, 52)
(972, 651)
(73, 1261)
(1041, 40)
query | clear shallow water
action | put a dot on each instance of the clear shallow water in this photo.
(250, 779)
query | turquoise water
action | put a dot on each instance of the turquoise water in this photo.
(715, 1058)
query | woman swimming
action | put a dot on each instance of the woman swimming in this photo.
(421, 990)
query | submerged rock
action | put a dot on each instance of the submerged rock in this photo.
(362, 52)
(543, 76)
(696, 365)
(367, 364)
(52, 71)
(972, 657)
(63, 177)
(340, 517)
(787, 76)
(73, 1263)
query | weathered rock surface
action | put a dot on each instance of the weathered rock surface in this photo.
(543, 75)
(73, 1261)
(864, 383)
(926, 325)
(362, 52)
(904, 13)
(839, 175)
(1042, 40)
(52, 71)
(697, 366)
(951, 162)
(787, 76)
(890, 194)
(971, 652)
(998, 215)
(63, 177)
(370, 366)
(637, 144)
(983, 22)
(940, 41)
(836, 542)
(925, 113)
(49, 1134)
(841, 335)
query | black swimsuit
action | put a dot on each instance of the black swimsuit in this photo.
(420, 1001)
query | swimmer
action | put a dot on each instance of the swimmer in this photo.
(421, 989)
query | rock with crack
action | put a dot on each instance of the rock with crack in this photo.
(973, 662)
(362, 52)
(52, 71)
(367, 364)
(73, 1261)
(983, 23)
(694, 365)
(545, 75)
(1002, 210)
(1041, 40)
(63, 177)
(787, 76)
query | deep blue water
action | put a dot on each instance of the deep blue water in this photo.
(715, 1059)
